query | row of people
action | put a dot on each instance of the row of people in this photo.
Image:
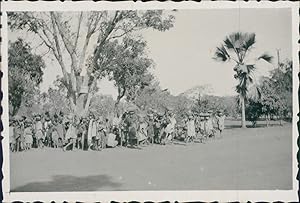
(130, 129)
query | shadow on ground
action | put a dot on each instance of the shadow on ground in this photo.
(70, 183)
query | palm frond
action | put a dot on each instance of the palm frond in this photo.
(250, 68)
(221, 54)
(241, 90)
(255, 93)
(249, 41)
(268, 58)
(228, 43)
(237, 39)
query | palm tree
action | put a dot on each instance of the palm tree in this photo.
(235, 48)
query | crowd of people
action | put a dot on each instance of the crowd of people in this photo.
(130, 129)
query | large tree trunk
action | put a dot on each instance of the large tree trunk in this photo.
(243, 112)
(121, 94)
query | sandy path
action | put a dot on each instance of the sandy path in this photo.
(244, 159)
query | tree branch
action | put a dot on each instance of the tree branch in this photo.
(59, 54)
(70, 50)
(78, 30)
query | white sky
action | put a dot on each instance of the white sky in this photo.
(183, 55)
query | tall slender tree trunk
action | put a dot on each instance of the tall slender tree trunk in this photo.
(243, 112)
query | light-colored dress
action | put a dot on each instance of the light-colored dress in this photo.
(71, 132)
(55, 136)
(28, 136)
(60, 130)
(142, 133)
(39, 130)
(209, 127)
(191, 128)
(111, 140)
(92, 130)
(221, 122)
(116, 121)
(12, 139)
(171, 126)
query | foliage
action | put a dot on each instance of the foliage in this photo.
(276, 99)
(254, 109)
(130, 67)
(102, 105)
(54, 101)
(24, 75)
(282, 82)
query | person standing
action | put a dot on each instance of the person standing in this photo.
(28, 135)
(92, 131)
(220, 122)
(12, 139)
(60, 130)
(48, 129)
(142, 131)
(22, 135)
(71, 133)
(131, 122)
(39, 131)
(209, 129)
(150, 128)
(202, 133)
(191, 132)
(170, 127)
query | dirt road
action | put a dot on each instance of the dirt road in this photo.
(249, 159)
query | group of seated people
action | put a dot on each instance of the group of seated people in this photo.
(130, 129)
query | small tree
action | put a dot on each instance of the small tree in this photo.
(235, 48)
(254, 109)
(25, 73)
(130, 68)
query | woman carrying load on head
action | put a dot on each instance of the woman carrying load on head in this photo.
(131, 122)
(39, 131)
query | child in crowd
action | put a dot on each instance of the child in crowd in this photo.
(55, 137)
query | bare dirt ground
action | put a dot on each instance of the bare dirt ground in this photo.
(251, 159)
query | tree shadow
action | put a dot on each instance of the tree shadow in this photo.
(68, 183)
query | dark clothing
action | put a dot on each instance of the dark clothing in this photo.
(131, 123)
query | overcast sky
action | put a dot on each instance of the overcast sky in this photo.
(183, 55)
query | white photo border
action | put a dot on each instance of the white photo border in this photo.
(107, 196)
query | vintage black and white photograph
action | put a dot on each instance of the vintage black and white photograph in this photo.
(150, 100)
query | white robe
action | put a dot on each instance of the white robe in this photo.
(171, 126)
(191, 128)
(142, 133)
(111, 140)
(92, 130)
